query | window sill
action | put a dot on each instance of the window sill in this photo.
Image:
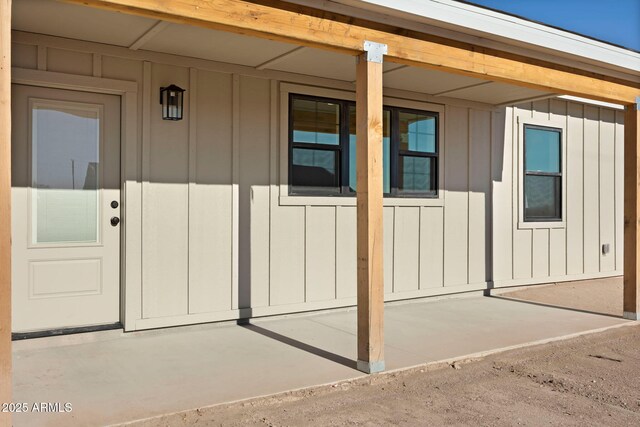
(351, 201)
(538, 225)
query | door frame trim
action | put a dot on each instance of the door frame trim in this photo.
(130, 182)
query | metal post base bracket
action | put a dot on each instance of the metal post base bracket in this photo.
(627, 315)
(370, 367)
(374, 52)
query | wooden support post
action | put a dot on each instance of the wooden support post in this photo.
(369, 208)
(5, 208)
(632, 211)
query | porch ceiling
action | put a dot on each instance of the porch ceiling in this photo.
(83, 23)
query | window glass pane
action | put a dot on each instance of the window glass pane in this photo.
(65, 173)
(417, 132)
(386, 150)
(416, 174)
(542, 150)
(315, 170)
(316, 122)
(542, 197)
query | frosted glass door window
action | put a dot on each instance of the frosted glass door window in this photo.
(65, 150)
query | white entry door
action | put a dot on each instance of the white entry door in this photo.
(66, 208)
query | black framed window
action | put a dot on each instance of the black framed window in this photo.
(542, 173)
(316, 146)
(322, 149)
(417, 153)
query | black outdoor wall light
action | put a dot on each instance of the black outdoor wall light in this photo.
(172, 101)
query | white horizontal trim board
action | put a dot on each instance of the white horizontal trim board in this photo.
(246, 313)
(557, 279)
(592, 102)
(211, 233)
(71, 82)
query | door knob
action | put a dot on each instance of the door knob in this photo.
(115, 221)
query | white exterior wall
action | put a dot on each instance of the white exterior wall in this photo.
(220, 239)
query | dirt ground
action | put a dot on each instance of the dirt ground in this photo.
(589, 380)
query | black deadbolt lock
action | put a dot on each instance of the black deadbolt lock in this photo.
(114, 204)
(115, 221)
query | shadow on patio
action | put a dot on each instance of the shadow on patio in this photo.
(111, 377)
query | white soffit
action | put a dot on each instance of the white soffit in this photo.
(78, 22)
(321, 63)
(497, 93)
(219, 46)
(427, 81)
(501, 27)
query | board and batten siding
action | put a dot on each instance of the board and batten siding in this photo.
(593, 172)
(222, 240)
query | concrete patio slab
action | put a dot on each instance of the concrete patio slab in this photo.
(112, 377)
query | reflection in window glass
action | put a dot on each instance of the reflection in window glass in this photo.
(542, 196)
(386, 150)
(417, 132)
(542, 150)
(316, 122)
(315, 170)
(415, 174)
(65, 173)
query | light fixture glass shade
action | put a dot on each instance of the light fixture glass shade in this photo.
(172, 101)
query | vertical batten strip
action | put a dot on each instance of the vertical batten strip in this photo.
(235, 190)
(619, 150)
(420, 248)
(335, 251)
(273, 168)
(599, 194)
(631, 210)
(97, 65)
(132, 208)
(305, 252)
(369, 208)
(192, 115)
(394, 235)
(512, 132)
(468, 138)
(42, 58)
(146, 152)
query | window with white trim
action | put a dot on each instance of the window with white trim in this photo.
(542, 173)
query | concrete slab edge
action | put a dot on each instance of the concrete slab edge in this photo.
(361, 376)
(482, 354)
